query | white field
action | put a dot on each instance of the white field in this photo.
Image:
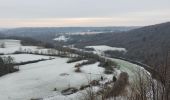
(39, 79)
(12, 46)
(83, 33)
(26, 57)
(10, 42)
(124, 66)
(102, 48)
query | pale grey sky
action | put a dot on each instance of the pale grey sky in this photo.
(27, 13)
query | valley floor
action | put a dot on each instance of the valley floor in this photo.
(39, 80)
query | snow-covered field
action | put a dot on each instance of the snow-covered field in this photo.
(12, 46)
(82, 33)
(39, 79)
(26, 57)
(10, 42)
(102, 48)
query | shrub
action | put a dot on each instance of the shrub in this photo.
(1, 53)
(84, 87)
(90, 61)
(55, 89)
(109, 66)
(71, 60)
(7, 65)
(2, 45)
(119, 86)
(114, 79)
(78, 70)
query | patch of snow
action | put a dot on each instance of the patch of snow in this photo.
(61, 38)
(106, 48)
(83, 33)
(100, 49)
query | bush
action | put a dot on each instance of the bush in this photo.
(84, 87)
(119, 86)
(2, 45)
(71, 60)
(109, 66)
(90, 61)
(78, 70)
(108, 71)
(17, 52)
(1, 53)
(7, 65)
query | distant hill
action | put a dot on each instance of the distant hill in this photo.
(150, 41)
(141, 43)
(1, 35)
(49, 33)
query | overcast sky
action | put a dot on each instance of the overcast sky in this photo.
(28, 13)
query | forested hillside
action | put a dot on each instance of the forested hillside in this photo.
(143, 44)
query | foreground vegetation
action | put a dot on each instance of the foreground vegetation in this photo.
(7, 65)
